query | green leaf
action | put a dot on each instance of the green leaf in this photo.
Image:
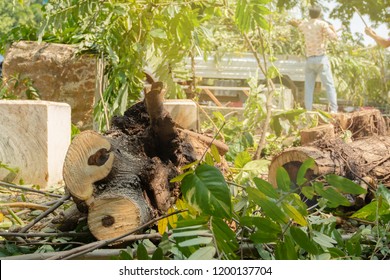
(266, 188)
(266, 230)
(270, 208)
(261, 223)
(192, 223)
(283, 179)
(336, 253)
(323, 239)
(205, 253)
(262, 236)
(188, 232)
(257, 167)
(142, 253)
(215, 153)
(301, 238)
(384, 192)
(272, 72)
(209, 159)
(344, 185)
(371, 211)
(196, 241)
(224, 237)
(158, 254)
(307, 164)
(308, 192)
(180, 177)
(242, 159)
(334, 198)
(158, 33)
(219, 116)
(294, 214)
(207, 191)
(285, 250)
(353, 245)
(124, 255)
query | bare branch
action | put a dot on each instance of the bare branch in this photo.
(27, 189)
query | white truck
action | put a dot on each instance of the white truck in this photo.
(227, 77)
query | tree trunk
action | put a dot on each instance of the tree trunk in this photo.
(367, 157)
(122, 178)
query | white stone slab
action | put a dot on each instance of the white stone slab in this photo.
(184, 112)
(34, 137)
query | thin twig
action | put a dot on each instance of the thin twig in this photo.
(99, 244)
(209, 144)
(24, 205)
(49, 234)
(209, 118)
(47, 212)
(101, 89)
(100, 254)
(13, 186)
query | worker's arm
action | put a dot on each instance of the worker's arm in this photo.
(330, 31)
(294, 22)
(385, 43)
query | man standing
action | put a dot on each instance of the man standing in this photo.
(316, 33)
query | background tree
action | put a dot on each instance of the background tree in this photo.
(19, 19)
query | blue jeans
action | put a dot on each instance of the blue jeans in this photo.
(319, 65)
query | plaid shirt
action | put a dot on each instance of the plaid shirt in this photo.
(316, 33)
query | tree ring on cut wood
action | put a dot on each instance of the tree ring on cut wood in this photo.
(112, 217)
(88, 160)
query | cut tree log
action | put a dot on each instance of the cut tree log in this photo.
(321, 132)
(364, 123)
(122, 179)
(367, 157)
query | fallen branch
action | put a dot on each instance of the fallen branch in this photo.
(27, 189)
(38, 234)
(99, 244)
(24, 205)
(222, 147)
(44, 214)
(99, 254)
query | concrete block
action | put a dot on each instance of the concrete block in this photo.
(34, 137)
(184, 112)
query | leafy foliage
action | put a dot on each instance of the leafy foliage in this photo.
(226, 214)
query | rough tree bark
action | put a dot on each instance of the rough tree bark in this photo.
(122, 178)
(368, 157)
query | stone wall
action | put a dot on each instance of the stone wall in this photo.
(57, 72)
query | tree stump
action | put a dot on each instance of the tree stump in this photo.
(122, 178)
(362, 123)
(321, 132)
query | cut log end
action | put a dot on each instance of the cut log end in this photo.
(112, 217)
(88, 160)
(293, 158)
